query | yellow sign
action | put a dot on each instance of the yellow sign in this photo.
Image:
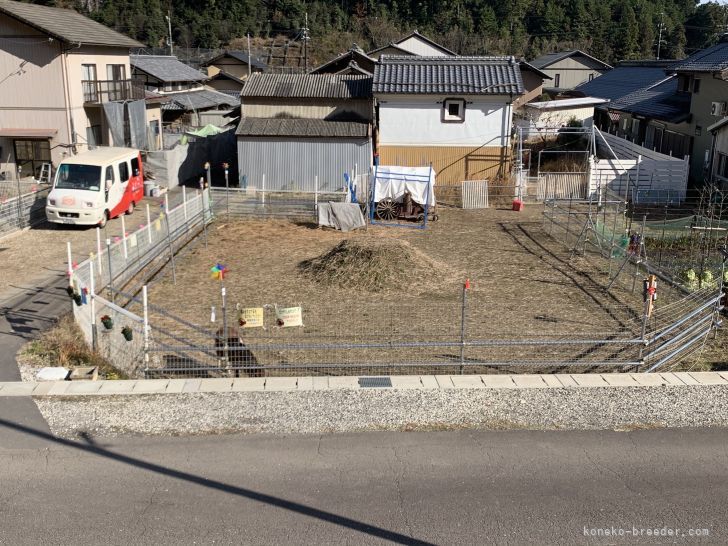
(287, 317)
(252, 317)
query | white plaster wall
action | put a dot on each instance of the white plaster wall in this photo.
(418, 47)
(417, 121)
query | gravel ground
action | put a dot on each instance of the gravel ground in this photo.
(317, 412)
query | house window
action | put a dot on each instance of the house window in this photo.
(453, 111)
(116, 74)
(698, 130)
(721, 165)
(696, 85)
(30, 156)
(557, 80)
(88, 81)
(93, 136)
(683, 83)
(591, 77)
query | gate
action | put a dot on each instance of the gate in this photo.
(475, 194)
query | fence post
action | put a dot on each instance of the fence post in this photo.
(315, 192)
(184, 202)
(149, 225)
(111, 271)
(227, 191)
(466, 287)
(92, 304)
(169, 238)
(263, 190)
(20, 200)
(146, 328)
(224, 329)
(70, 260)
(209, 174)
(123, 238)
(201, 198)
(98, 251)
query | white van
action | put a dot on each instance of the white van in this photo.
(92, 187)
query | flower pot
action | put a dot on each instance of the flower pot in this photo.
(128, 333)
(108, 323)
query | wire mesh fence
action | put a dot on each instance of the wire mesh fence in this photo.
(22, 205)
(258, 203)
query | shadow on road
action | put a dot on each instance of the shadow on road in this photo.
(92, 447)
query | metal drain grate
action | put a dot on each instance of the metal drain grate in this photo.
(375, 382)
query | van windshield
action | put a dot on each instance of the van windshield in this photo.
(78, 177)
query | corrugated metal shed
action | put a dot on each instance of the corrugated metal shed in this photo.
(293, 164)
(445, 75)
(331, 86)
(712, 59)
(66, 25)
(166, 68)
(303, 128)
(199, 100)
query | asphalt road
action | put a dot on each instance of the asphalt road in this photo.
(511, 487)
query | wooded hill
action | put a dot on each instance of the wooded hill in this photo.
(608, 29)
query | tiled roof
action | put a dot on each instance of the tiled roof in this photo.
(301, 128)
(354, 55)
(240, 55)
(661, 101)
(544, 61)
(166, 68)
(199, 100)
(712, 59)
(622, 81)
(445, 75)
(330, 86)
(66, 25)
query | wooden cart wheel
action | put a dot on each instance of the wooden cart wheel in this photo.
(387, 209)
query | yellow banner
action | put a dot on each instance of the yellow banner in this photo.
(252, 317)
(287, 317)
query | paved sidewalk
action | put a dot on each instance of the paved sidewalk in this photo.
(413, 382)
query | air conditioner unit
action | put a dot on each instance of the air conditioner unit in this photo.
(717, 108)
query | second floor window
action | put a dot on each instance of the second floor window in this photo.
(89, 72)
(557, 80)
(115, 72)
(721, 165)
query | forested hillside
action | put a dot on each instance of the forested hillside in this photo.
(608, 29)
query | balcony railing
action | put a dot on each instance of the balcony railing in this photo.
(100, 91)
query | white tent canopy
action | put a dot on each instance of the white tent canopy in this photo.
(391, 182)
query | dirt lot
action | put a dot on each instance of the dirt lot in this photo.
(39, 252)
(522, 286)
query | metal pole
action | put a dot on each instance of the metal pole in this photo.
(98, 250)
(201, 197)
(146, 327)
(227, 188)
(184, 201)
(315, 192)
(224, 327)
(70, 260)
(123, 238)
(639, 249)
(111, 274)
(92, 304)
(209, 174)
(263, 190)
(466, 286)
(169, 239)
(149, 225)
(20, 200)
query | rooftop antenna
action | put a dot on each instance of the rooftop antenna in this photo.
(248, 54)
(305, 43)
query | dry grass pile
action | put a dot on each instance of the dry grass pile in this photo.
(64, 345)
(376, 264)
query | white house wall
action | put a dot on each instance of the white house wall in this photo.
(420, 47)
(415, 121)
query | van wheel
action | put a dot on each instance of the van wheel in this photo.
(130, 210)
(104, 219)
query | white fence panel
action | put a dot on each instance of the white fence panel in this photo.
(475, 194)
(561, 186)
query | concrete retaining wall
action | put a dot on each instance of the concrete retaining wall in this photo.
(338, 404)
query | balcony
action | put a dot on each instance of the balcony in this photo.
(101, 91)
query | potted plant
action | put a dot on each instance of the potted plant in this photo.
(128, 333)
(107, 322)
(70, 291)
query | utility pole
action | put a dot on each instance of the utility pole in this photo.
(659, 36)
(248, 54)
(168, 17)
(305, 43)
